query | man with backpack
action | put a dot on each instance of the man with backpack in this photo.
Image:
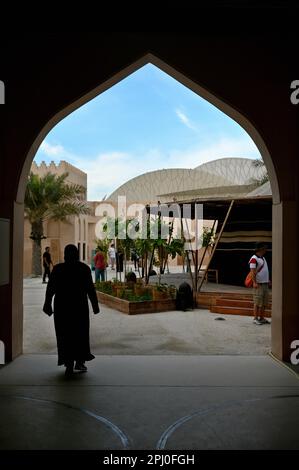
(260, 277)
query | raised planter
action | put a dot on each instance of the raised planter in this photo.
(160, 295)
(136, 307)
(139, 289)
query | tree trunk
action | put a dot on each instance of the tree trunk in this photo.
(150, 265)
(125, 262)
(37, 235)
(145, 268)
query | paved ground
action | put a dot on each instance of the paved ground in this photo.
(150, 402)
(151, 386)
(168, 333)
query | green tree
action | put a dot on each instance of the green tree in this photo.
(50, 197)
(155, 251)
(103, 245)
(118, 229)
(208, 237)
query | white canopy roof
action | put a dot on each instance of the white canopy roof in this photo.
(225, 177)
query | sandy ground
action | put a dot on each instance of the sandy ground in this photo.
(167, 333)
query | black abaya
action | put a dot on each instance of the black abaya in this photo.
(71, 284)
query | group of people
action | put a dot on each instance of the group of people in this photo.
(115, 259)
(71, 284)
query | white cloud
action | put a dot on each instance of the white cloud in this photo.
(105, 172)
(52, 150)
(184, 119)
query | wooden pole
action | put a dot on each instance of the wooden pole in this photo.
(116, 258)
(168, 243)
(195, 278)
(216, 243)
(205, 250)
(188, 260)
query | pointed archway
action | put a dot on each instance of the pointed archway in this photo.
(282, 210)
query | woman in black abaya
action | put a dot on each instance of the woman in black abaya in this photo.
(71, 285)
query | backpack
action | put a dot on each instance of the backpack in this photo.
(184, 299)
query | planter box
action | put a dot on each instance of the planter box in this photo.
(139, 289)
(134, 308)
(160, 295)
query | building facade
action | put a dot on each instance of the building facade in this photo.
(77, 230)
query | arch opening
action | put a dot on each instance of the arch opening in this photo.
(207, 95)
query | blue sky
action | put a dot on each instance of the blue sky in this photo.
(146, 122)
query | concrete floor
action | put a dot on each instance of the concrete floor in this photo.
(150, 402)
(173, 380)
(169, 333)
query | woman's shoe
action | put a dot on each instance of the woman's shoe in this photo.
(69, 372)
(80, 366)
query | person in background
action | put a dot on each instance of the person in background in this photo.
(100, 265)
(135, 258)
(111, 254)
(71, 285)
(47, 262)
(260, 277)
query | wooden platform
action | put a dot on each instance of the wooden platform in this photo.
(228, 300)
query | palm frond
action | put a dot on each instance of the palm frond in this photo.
(50, 196)
(64, 208)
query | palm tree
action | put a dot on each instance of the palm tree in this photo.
(258, 163)
(50, 197)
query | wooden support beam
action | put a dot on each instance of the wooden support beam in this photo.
(215, 245)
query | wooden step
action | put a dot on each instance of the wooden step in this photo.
(236, 296)
(226, 302)
(233, 299)
(207, 299)
(230, 295)
(236, 310)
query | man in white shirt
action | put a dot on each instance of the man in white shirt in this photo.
(260, 276)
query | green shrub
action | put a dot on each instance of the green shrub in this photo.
(104, 286)
(162, 287)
